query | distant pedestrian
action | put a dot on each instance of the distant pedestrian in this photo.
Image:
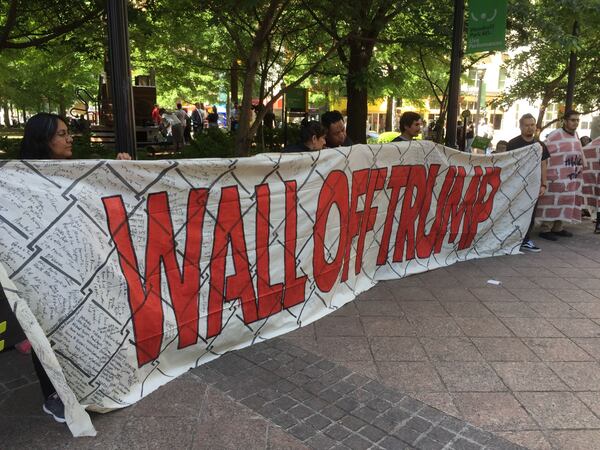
(425, 130)
(501, 146)
(410, 126)
(173, 126)
(213, 118)
(198, 118)
(527, 124)
(269, 119)
(185, 122)
(460, 135)
(304, 120)
(156, 114)
(235, 117)
(470, 136)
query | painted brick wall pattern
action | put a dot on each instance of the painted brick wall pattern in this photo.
(564, 197)
(591, 174)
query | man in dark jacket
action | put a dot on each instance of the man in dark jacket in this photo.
(527, 137)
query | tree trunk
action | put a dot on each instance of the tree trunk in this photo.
(389, 114)
(6, 114)
(542, 112)
(234, 81)
(243, 138)
(62, 109)
(439, 135)
(357, 91)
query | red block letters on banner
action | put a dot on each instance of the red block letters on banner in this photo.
(457, 216)
(229, 229)
(184, 285)
(333, 192)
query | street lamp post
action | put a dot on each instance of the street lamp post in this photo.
(572, 72)
(455, 69)
(120, 76)
(481, 75)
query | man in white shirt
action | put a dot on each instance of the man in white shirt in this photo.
(181, 115)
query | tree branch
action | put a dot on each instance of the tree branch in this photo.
(56, 32)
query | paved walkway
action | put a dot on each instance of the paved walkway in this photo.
(441, 360)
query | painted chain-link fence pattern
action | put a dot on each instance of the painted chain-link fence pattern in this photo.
(126, 274)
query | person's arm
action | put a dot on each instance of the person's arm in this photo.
(123, 156)
(544, 184)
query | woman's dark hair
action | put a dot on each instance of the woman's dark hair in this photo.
(39, 131)
(312, 128)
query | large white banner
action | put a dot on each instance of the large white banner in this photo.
(127, 274)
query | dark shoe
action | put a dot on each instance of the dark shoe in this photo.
(563, 233)
(597, 229)
(548, 235)
(54, 406)
(529, 246)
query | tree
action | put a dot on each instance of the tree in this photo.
(542, 44)
(33, 23)
(178, 42)
(360, 24)
(277, 45)
(46, 78)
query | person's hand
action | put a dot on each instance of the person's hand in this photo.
(542, 190)
(125, 156)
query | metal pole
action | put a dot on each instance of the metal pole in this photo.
(284, 113)
(479, 100)
(572, 72)
(120, 75)
(455, 69)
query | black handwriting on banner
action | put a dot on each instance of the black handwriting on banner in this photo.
(458, 213)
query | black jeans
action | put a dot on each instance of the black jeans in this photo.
(531, 224)
(45, 383)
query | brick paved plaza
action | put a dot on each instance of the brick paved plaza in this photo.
(441, 360)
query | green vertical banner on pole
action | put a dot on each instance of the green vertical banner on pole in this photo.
(486, 26)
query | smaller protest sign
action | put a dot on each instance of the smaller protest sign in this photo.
(481, 142)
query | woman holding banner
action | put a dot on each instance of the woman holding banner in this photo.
(46, 136)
